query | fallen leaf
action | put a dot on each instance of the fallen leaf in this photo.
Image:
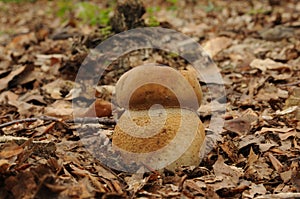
(230, 174)
(257, 168)
(275, 162)
(282, 130)
(5, 81)
(277, 33)
(294, 101)
(239, 125)
(249, 140)
(284, 136)
(286, 176)
(21, 40)
(11, 150)
(268, 64)
(99, 108)
(59, 88)
(215, 45)
(60, 108)
(255, 189)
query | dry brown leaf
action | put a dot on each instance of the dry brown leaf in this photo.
(117, 186)
(193, 186)
(3, 162)
(98, 185)
(11, 150)
(21, 40)
(277, 33)
(55, 187)
(286, 175)
(294, 101)
(32, 96)
(257, 168)
(279, 130)
(239, 125)
(105, 92)
(60, 108)
(250, 139)
(8, 96)
(5, 81)
(275, 162)
(48, 60)
(99, 108)
(135, 182)
(284, 136)
(101, 171)
(230, 174)
(197, 30)
(215, 45)
(23, 185)
(26, 109)
(263, 147)
(288, 110)
(255, 189)
(252, 157)
(268, 64)
(231, 150)
(270, 91)
(82, 189)
(57, 88)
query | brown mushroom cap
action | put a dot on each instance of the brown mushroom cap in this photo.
(166, 140)
(144, 86)
(192, 79)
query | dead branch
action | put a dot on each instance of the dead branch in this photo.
(279, 196)
(4, 139)
(90, 120)
(44, 118)
(93, 120)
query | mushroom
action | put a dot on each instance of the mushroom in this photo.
(160, 127)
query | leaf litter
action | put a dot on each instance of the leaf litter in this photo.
(256, 46)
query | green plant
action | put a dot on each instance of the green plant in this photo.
(90, 13)
(173, 4)
(210, 7)
(172, 55)
(64, 6)
(105, 31)
(259, 11)
(17, 1)
(152, 21)
(8, 32)
(85, 11)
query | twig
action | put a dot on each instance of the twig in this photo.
(290, 84)
(279, 196)
(91, 120)
(4, 139)
(33, 119)
(18, 121)
(105, 121)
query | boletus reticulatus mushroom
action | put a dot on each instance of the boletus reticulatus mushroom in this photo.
(160, 127)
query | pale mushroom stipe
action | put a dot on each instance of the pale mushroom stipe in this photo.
(160, 127)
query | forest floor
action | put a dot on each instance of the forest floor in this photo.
(255, 46)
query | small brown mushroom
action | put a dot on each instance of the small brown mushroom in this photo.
(167, 135)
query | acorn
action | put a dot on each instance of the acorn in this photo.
(159, 127)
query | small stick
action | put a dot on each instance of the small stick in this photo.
(18, 121)
(105, 121)
(33, 119)
(289, 195)
(290, 84)
(95, 120)
(4, 139)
